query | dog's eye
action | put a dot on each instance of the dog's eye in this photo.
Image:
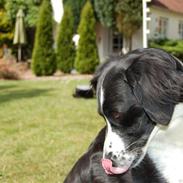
(116, 115)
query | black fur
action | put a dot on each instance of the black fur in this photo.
(141, 90)
(88, 168)
(154, 76)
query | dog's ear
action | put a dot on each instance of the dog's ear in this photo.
(153, 83)
(159, 112)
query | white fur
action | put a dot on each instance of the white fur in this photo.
(166, 148)
(101, 98)
(113, 142)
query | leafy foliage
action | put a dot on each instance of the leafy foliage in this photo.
(87, 56)
(76, 6)
(43, 54)
(4, 23)
(1, 3)
(129, 17)
(65, 45)
(29, 7)
(6, 34)
(174, 47)
(6, 38)
(105, 11)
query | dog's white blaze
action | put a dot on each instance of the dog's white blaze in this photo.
(166, 148)
(113, 142)
(101, 98)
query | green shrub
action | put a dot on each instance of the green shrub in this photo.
(65, 45)
(44, 62)
(171, 43)
(174, 47)
(76, 7)
(87, 53)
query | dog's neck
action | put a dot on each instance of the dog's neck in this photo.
(166, 148)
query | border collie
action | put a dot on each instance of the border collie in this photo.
(140, 97)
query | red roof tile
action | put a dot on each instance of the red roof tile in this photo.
(172, 5)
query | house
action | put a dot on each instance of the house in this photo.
(166, 19)
(166, 22)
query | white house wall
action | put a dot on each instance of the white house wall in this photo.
(173, 22)
(137, 40)
(104, 41)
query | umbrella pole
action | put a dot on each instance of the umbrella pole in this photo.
(19, 53)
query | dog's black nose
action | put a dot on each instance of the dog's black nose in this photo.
(108, 155)
(112, 157)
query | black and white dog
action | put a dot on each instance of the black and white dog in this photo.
(140, 97)
(88, 168)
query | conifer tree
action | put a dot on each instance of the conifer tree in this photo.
(43, 59)
(65, 44)
(76, 7)
(87, 53)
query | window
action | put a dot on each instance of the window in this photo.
(180, 29)
(162, 27)
(117, 42)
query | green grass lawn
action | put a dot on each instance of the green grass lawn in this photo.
(43, 129)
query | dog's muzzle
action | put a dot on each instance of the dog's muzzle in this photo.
(110, 170)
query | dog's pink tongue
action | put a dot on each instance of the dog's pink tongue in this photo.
(109, 169)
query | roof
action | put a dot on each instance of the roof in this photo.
(172, 5)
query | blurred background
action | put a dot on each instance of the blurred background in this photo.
(48, 36)
(47, 48)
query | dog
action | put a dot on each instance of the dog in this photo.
(88, 169)
(140, 96)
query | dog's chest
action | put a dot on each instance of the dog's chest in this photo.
(166, 148)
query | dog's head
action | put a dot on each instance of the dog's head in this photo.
(135, 94)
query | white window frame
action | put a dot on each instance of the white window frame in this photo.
(162, 27)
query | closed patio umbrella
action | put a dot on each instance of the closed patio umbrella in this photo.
(19, 35)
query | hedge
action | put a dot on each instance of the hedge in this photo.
(174, 47)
